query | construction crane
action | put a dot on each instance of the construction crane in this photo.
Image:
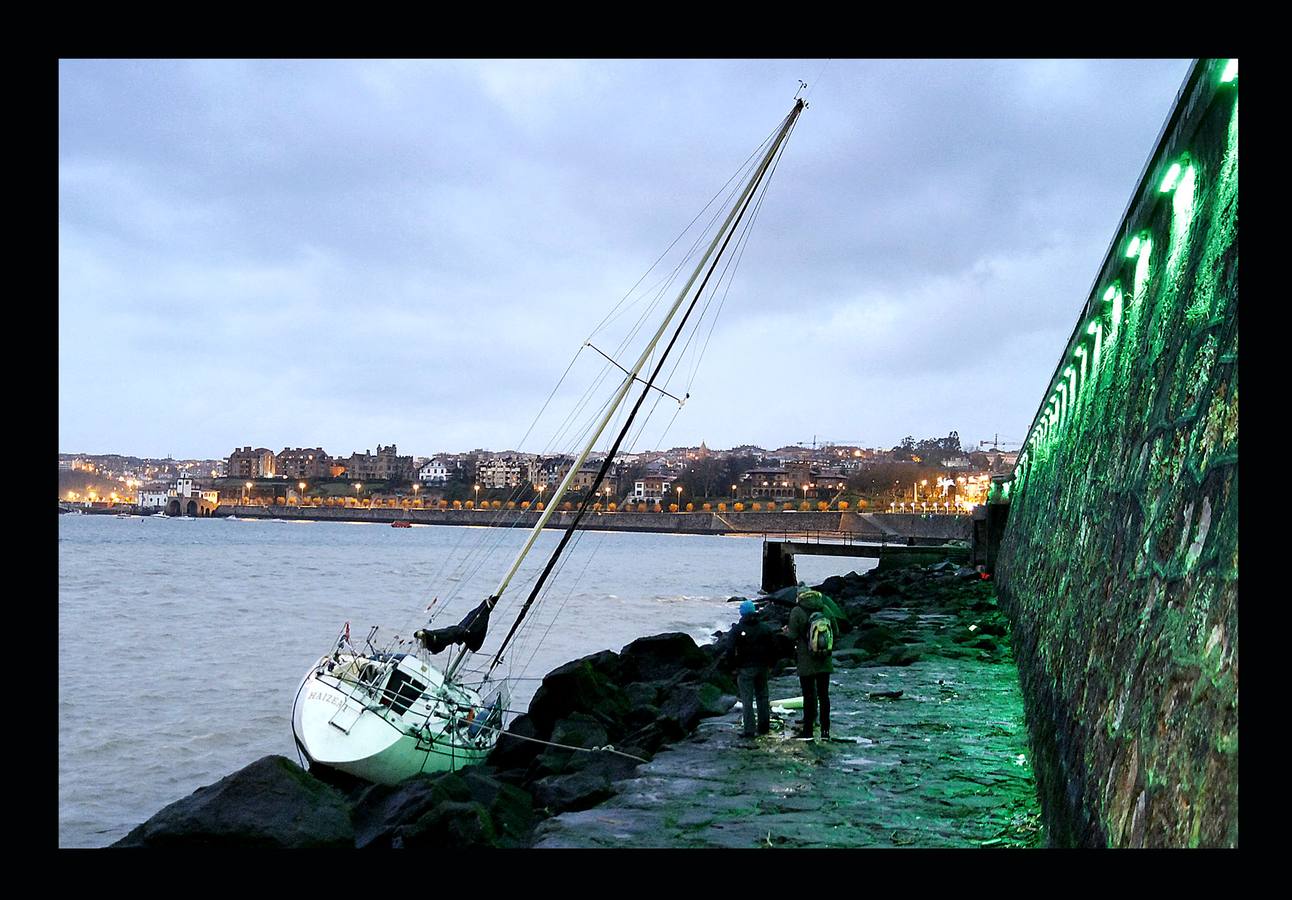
(997, 444)
(823, 443)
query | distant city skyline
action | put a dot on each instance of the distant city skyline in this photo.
(967, 445)
(293, 253)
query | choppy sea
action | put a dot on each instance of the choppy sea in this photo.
(182, 641)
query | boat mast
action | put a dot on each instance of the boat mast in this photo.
(632, 375)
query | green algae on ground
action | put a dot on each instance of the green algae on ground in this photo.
(944, 764)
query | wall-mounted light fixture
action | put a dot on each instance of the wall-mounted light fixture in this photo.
(1173, 174)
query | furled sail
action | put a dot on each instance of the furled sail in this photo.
(470, 632)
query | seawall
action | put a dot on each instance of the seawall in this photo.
(893, 526)
(1119, 562)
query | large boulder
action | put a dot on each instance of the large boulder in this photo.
(660, 657)
(453, 824)
(687, 703)
(382, 809)
(834, 586)
(511, 810)
(642, 694)
(579, 730)
(270, 803)
(584, 685)
(787, 596)
(469, 807)
(570, 792)
(588, 780)
(516, 748)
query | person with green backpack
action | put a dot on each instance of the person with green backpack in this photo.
(812, 627)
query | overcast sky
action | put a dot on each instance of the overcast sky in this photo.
(341, 254)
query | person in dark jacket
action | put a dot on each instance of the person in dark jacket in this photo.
(814, 668)
(752, 650)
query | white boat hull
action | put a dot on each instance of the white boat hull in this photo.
(341, 724)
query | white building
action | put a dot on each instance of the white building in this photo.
(185, 487)
(152, 499)
(652, 488)
(434, 472)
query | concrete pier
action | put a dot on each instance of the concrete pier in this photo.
(778, 555)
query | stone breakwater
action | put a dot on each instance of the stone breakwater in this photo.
(657, 694)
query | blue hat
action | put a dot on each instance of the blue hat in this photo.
(747, 608)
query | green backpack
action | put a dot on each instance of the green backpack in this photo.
(820, 635)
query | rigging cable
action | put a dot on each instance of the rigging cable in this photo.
(742, 243)
(786, 127)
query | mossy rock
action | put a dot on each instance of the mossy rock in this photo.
(270, 803)
(452, 824)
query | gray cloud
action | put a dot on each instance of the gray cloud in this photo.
(352, 252)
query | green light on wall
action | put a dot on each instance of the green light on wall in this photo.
(1141, 266)
(1098, 331)
(1182, 209)
(1114, 295)
(1172, 177)
(1080, 353)
(1183, 201)
(1139, 243)
(1231, 72)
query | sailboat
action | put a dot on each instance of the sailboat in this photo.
(383, 715)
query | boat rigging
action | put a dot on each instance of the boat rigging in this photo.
(383, 716)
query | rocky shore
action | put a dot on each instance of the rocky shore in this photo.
(620, 710)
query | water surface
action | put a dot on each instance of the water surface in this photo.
(182, 641)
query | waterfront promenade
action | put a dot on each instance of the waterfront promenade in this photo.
(944, 764)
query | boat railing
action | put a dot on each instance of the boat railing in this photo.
(381, 697)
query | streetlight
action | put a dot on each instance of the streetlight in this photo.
(301, 485)
(415, 487)
(358, 486)
(477, 496)
(679, 498)
(733, 492)
(247, 493)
